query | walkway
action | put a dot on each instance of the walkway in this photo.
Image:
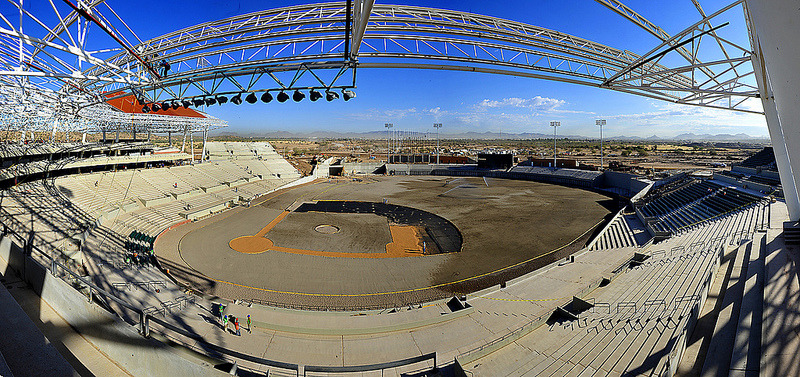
(36, 341)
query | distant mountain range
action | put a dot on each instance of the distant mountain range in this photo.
(487, 136)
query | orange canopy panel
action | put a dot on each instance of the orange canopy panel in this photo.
(128, 104)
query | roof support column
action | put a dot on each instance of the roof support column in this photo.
(55, 128)
(205, 139)
(191, 143)
(183, 146)
(773, 26)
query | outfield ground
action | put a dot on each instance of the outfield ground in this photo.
(502, 222)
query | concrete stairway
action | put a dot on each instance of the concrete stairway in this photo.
(735, 345)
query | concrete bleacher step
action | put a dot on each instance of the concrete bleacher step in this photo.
(735, 344)
(595, 349)
(746, 353)
(791, 233)
(719, 350)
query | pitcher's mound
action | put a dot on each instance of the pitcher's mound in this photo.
(327, 229)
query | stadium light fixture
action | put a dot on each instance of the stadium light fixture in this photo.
(165, 106)
(298, 96)
(198, 102)
(175, 105)
(186, 104)
(314, 95)
(348, 94)
(145, 109)
(601, 123)
(156, 107)
(388, 142)
(330, 96)
(251, 98)
(437, 126)
(555, 126)
(210, 101)
(237, 99)
(282, 97)
(221, 99)
(266, 97)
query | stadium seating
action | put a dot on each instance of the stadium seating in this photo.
(692, 203)
(635, 323)
(616, 235)
(134, 204)
(638, 321)
(764, 159)
(670, 201)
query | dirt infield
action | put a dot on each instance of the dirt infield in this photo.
(508, 227)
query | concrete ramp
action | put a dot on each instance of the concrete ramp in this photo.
(26, 351)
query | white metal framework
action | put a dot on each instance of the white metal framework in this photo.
(319, 47)
(52, 74)
(44, 71)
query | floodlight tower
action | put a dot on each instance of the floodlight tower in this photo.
(388, 141)
(601, 123)
(555, 126)
(437, 126)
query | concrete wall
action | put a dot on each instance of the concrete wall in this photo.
(773, 30)
(121, 342)
(188, 194)
(625, 181)
(398, 169)
(744, 170)
(753, 171)
(670, 179)
(748, 185)
(361, 167)
(214, 188)
(129, 206)
(204, 211)
(156, 201)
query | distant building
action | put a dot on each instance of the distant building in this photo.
(495, 160)
(454, 160)
(548, 163)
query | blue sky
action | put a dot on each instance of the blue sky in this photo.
(415, 99)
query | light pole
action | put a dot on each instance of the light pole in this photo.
(388, 142)
(437, 126)
(601, 123)
(555, 126)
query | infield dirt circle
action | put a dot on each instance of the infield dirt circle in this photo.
(274, 252)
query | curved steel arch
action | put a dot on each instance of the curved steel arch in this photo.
(232, 55)
(306, 47)
(300, 35)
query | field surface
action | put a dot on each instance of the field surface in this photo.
(357, 260)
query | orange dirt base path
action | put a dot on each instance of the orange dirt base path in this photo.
(406, 242)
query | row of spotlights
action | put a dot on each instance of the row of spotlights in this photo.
(251, 98)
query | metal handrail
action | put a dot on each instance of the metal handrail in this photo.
(378, 366)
